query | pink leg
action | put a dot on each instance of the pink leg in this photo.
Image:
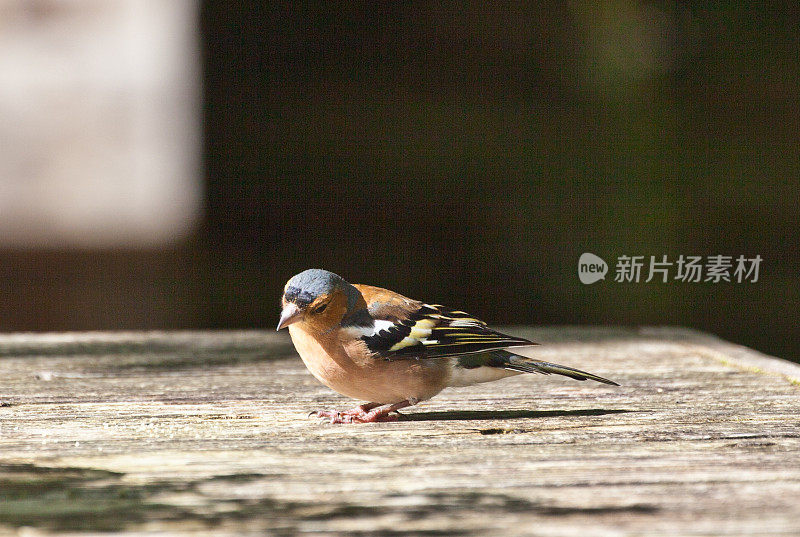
(366, 413)
(383, 413)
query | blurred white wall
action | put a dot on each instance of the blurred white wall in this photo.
(99, 122)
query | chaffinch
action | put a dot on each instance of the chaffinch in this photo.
(378, 346)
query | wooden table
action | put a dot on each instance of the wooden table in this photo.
(206, 433)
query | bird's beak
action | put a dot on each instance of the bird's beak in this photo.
(290, 314)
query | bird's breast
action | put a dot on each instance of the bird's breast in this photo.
(348, 368)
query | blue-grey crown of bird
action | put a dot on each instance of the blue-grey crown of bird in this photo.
(304, 288)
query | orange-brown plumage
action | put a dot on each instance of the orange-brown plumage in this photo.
(387, 304)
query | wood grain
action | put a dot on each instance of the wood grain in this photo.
(206, 433)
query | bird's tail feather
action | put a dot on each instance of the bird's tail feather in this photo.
(523, 364)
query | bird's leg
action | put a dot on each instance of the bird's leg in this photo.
(345, 416)
(383, 413)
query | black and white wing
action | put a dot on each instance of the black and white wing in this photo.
(431, 331)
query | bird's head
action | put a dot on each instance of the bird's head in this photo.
(321, 300)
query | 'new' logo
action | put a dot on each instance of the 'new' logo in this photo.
(591, 268)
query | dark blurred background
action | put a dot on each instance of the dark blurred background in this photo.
(466, 153)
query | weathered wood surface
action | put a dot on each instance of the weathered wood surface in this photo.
(206, 433)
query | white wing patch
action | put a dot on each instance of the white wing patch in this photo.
(370, 331)
(382, 325)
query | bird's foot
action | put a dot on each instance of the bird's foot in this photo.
(366, 413)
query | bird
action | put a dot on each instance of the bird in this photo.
(375, 345)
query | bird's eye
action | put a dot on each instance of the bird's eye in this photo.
(319, 309)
